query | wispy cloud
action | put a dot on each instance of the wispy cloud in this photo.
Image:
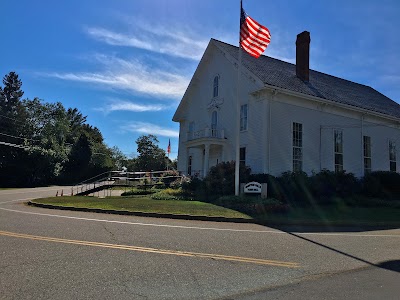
(132, 76)
(123, 105)
(155, 39)
(149, 128)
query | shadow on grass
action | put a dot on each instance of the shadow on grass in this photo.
(323, 219)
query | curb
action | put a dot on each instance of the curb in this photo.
(143, 214)
(281, 225)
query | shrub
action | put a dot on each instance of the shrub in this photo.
(252, 204)
(295, 188)
(382, 184)
(273, 186)
(220, 181)
(327, 184)
(136, 192)
(170, 194)
(167, 178)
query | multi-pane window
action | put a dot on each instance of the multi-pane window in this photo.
(243, 117)
(242, 156)
(216, 86)
(190, 165)
(392, 156)
(297, 147)
(367, 154)
(338, 135)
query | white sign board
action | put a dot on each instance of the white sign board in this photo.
(252, 188)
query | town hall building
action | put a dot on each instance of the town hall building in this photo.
(291, 118)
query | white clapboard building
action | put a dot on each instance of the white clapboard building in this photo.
(291, 118)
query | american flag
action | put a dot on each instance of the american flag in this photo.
(169, 146)
(254, 37)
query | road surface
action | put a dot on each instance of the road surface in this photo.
(51, 254)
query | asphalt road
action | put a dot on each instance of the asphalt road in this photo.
(51, 254)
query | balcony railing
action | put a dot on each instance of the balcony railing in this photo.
(206, 133)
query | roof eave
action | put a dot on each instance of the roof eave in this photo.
(327, 101)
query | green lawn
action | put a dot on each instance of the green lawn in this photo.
(145, 204)
(336, 215)
(318, 215)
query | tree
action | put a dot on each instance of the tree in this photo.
(151, 157)
(119, 159)
(12, 115)
(11, 94)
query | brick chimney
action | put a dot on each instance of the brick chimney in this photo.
(303, 55)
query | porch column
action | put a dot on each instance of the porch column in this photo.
(206, 159)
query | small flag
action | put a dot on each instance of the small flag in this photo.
(169, 146)
(254, 37)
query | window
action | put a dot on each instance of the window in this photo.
(216, 86)
(297, 147)
(214, 122)
(338, 135)
(243, 117)
(367, 154)
(392, 156)
(189, 170)
(242, 156)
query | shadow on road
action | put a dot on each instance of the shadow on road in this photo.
(392, 265)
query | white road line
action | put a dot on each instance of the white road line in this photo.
(17, 200)
(201, 228)
(32, 190)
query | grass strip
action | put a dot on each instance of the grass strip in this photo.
(146, 205)
(316, 215)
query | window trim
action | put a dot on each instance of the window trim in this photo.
(392, 160)
(216, 86)
(367, 147)
(338, 167)
(297, 146)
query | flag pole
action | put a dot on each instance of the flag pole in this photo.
(237, 160)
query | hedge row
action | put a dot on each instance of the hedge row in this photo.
(297, 188)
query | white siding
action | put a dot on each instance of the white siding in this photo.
(318, 120)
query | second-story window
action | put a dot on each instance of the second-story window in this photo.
(216, 86)
(338, 134)
(392, 156)
(243, 117)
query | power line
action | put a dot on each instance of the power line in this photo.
(17, 137)
(14, 145)
(12, 119)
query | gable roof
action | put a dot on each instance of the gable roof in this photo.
(281, 74)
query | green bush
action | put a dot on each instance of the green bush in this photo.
(327, 184)
(363, 201)
(171, 194)
(381, 184)
(252, 204)
(220, 180)
(169, 177)
(137, 192)
(273, 186)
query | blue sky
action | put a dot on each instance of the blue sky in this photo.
(126, 64)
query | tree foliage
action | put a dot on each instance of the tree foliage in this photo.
(60, 147)
(151, 157)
